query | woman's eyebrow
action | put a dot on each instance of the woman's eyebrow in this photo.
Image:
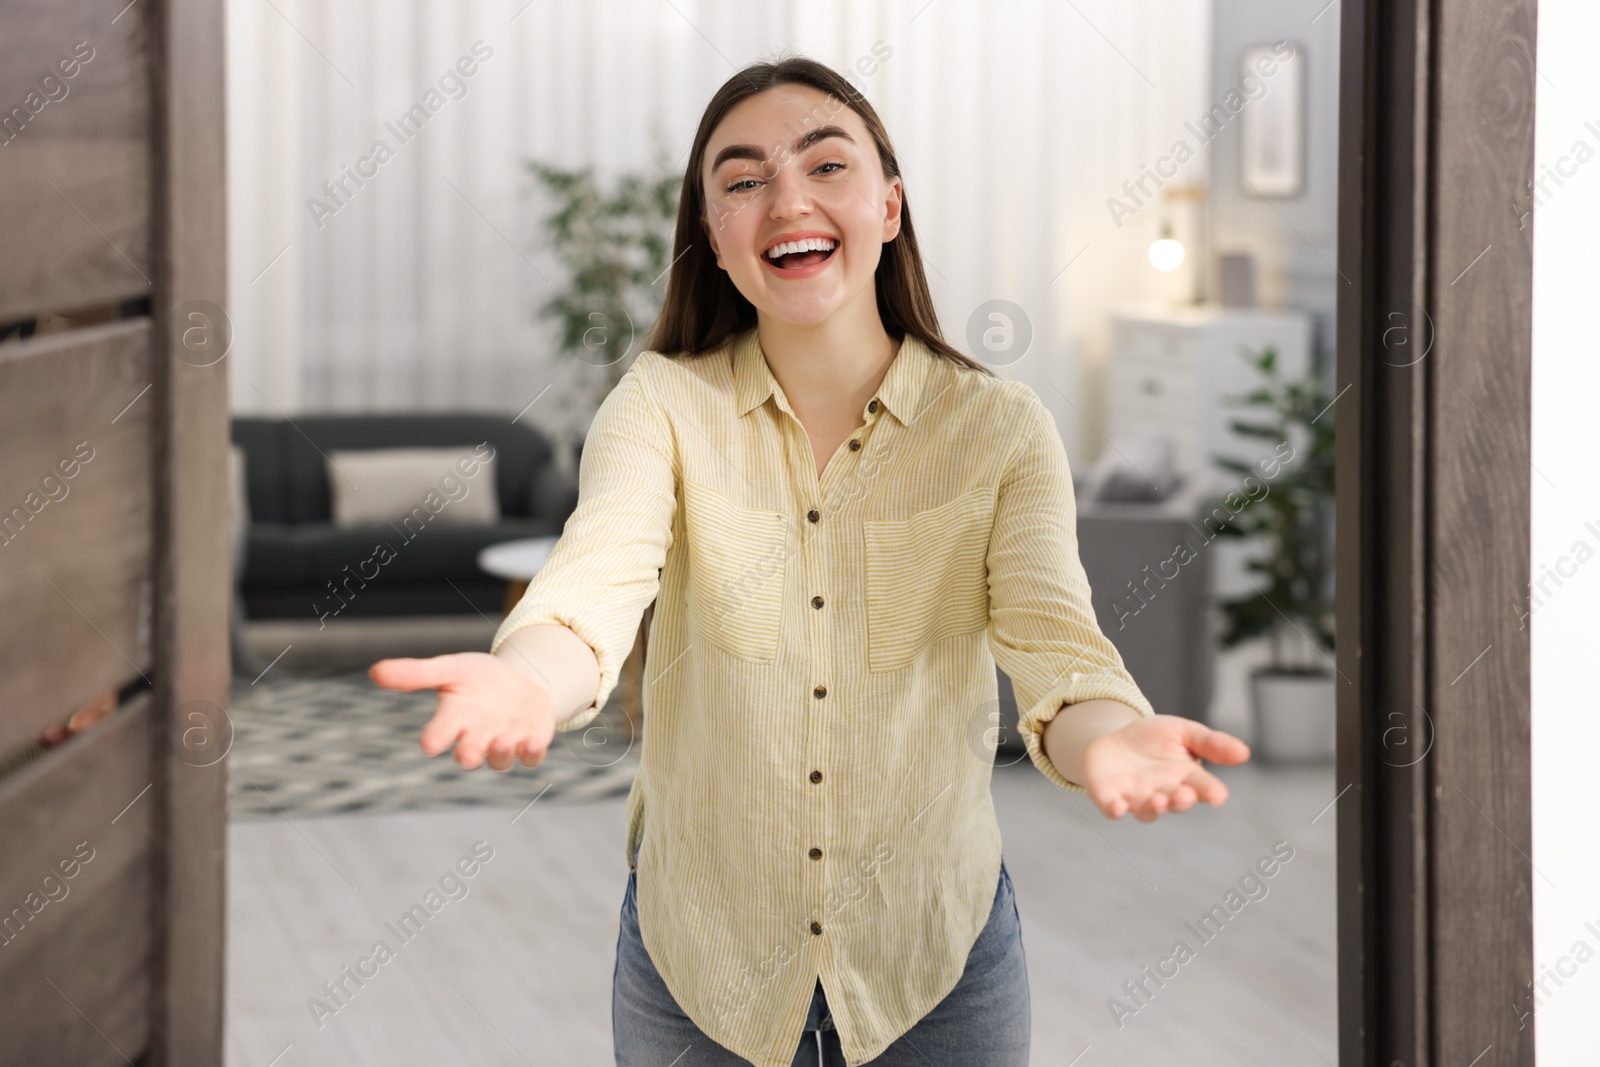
(801, 143)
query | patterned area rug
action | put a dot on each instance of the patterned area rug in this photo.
(339, 744)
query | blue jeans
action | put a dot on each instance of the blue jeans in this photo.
(985, 1019)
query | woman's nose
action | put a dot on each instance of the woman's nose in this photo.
(790, 197)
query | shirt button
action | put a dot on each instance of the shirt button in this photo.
(820, 691)
(816, 927)
(855, 445)
(813, 515)
(815, 853)
(816, 776)
(872, 406)
(816, 601)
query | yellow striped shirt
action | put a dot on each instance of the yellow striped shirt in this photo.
(820, 699)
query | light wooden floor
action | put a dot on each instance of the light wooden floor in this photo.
(519, 970)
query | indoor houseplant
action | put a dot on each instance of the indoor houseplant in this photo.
(1290, 512)
(615, 245)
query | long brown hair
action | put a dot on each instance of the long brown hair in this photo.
(703, 308)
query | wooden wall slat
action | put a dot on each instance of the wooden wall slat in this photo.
(75, 586)
(76, 169)
(76, 972)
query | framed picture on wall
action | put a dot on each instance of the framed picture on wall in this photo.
(1272, 126)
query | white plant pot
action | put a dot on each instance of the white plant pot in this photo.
(1294, 717)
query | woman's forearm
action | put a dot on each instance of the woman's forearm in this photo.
(1077, 726)
(559, 661)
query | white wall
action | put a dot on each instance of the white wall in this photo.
(1294, 240)
(1565, 601)
(1014, 124)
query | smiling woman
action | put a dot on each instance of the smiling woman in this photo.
(845, 524)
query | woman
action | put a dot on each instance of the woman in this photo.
(844, 524)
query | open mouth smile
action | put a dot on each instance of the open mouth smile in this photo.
(800, 257)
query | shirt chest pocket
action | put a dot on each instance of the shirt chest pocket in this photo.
(737, 558)
(927, 578)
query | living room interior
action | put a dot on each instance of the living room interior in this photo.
(1127, 220)
(306, 316)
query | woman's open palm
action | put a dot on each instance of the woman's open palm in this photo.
(486, 709)
(1153, 766)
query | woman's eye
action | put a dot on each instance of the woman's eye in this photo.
(744, 184)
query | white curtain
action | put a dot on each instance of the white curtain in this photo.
(416, 288)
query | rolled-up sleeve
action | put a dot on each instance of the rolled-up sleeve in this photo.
(606, 567)
(1042, 627)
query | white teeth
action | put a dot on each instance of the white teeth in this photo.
(809, 244)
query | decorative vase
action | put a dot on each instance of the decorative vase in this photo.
(1294, 716)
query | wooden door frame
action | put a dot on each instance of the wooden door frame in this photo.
(1434, 379)
(192, 570)
(1434, 376)
(1434, 369)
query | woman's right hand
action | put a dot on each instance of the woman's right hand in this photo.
(487, 710)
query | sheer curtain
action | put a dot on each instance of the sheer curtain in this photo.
(365, 279)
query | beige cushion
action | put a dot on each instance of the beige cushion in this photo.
(449, 485)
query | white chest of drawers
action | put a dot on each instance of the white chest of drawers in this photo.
(1171, 370)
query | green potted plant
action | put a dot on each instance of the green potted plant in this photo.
(1292, 698)
(615, 244)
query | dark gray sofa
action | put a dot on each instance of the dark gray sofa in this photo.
(292, 549)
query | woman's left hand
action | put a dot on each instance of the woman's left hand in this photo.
(1153, 766)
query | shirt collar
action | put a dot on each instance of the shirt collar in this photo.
(901, 391)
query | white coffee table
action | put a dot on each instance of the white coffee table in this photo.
(517, 562)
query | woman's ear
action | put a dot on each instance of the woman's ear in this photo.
(891, 210)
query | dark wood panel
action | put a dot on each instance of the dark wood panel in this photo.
(1479, 671)
(75, 551)
(1383, 895)
(1435, 909)
(192, 563)
(75, 154)
(75, 831)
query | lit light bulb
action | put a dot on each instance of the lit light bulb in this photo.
(1166, 254)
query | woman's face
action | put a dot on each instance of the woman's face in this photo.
(792, 164)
